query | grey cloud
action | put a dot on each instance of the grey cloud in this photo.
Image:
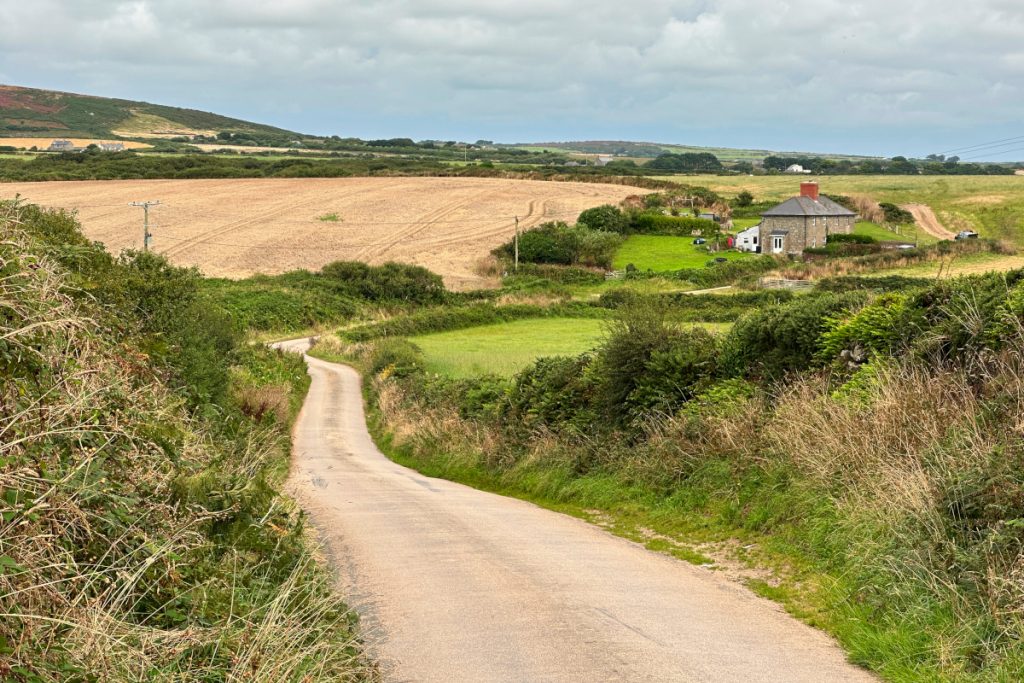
(550, 66)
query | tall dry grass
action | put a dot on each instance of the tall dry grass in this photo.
(96, 535)
(867, 208)
(924, 466)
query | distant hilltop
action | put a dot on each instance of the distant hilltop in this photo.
(33, 113)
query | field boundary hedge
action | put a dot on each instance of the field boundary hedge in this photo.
(444, 319)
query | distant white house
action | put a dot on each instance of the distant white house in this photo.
(604, 159)
(747, 240)
(111, 146)
(797, 168)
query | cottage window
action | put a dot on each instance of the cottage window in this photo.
(777, 244)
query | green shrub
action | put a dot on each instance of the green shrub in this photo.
(729, 272)
(771, 342)
(640, 333)
(274, 303)
(597, 249)
(556, 243)
(397, 357)
(558, 394)
(552, 243)
(568, 275)
(675, 374)
(884, 326)
(885, 283)
(606, 218)
(659, 224)
(852, 238)
(894, 214)
(391, 282)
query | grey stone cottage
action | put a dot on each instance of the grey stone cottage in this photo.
(803, 221)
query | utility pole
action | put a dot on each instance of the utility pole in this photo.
(517, 244)
(145, 222)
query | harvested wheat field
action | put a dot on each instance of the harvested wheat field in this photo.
(43, 143)
(238, 227)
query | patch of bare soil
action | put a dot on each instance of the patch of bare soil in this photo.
(925, 217)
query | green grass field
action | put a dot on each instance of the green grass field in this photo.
(992, 205)
(744, 223)
(509, 347)
(661, 253)
(907, 234)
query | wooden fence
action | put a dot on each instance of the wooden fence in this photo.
(779, 283)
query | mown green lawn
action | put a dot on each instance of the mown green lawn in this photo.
(660, 253)
(507, 348)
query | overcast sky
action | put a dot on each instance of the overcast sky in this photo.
(858, 76)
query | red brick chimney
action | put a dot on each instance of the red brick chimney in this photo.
(809, 189)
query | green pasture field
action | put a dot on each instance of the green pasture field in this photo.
(663, 253)
(507, 348)
(908, 233)
(992, 205)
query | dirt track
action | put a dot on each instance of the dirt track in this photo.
(455, 584)
(925, 217)
(237, 227)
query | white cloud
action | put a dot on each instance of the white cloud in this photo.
(663, 67)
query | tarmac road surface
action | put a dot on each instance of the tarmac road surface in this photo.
(455, 584)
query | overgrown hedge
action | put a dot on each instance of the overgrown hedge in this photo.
(446, 318)
(678, 226)
(557, 243)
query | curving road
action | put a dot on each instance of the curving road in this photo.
(454, 584)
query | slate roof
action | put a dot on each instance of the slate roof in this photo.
(805, 206)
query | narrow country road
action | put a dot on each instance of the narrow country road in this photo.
(454, 584)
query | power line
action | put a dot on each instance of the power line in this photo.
(1004, 151)
(994, 143)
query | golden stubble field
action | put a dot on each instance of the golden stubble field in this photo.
(43, 143)
(238, 227)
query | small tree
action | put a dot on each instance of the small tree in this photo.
(744, 198)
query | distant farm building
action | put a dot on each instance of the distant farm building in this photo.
(111, 146)
(604, 160)
(802, 222)
(62, 146)
(796, 168)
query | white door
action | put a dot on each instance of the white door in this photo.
(777, 244)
